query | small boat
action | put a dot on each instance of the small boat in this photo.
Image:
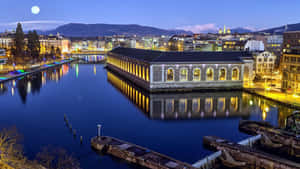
(239, 156)
(273, 138)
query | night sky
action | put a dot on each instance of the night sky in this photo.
(195, 15)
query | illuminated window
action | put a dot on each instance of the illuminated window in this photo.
(222, 74)
(170, 75)
(183, 74)
(147, 74)
(144, 73)
(209, 74)
(235, 74)
(197, 74)
(133, 69)
(140, 71)
(136, 70)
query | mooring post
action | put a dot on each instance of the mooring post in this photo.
(99, 130)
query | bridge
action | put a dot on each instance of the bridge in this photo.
(90, 58)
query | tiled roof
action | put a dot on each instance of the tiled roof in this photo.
(162, 57)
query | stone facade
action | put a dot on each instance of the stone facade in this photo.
(160, 81)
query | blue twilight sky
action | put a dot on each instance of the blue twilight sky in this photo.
(195, 15)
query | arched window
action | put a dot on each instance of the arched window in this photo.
(235, 74)
(136, 70)
(183, 74)
(170, 75)
(222, 74)
(197, 74)
(140, 71)
(209, 74)
(133, 69)
(144, 73)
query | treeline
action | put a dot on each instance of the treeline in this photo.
(30, 50)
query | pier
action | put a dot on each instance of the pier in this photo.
(136, 154)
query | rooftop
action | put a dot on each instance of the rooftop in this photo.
(187, 57)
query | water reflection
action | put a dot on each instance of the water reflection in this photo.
(32, 84)
(167, 106)
(199, 105)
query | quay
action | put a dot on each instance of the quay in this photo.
(285, 99)
(20, 73)
(136, 154)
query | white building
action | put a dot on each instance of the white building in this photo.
(265, 63)
(254, 45)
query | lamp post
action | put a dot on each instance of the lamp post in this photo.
(99, 130)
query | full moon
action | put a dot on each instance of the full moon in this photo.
(35, 10)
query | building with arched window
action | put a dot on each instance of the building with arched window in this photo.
(171, 71)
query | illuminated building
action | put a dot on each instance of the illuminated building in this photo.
(254, 46)
(224, 30)
(172, 71)
(233, 45)
(265, 63)
(56, 41)
(181, 43)
(274, 43)
(290, 62)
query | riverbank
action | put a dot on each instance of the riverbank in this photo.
(20, 73)
(286, 99)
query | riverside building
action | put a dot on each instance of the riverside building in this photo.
(181, 71)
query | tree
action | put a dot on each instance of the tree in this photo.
(33, 45)
(18, 43)
(52, 52)
(11, 150)
(56, 158)
(58, 52)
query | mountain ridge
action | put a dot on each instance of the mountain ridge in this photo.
(100, 29)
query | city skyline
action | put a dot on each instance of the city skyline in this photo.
(196, 16)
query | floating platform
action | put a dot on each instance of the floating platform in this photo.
(238, 156)
(273, 138)
(136, 154)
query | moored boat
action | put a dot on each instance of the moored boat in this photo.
(239, 156)
(273, 138)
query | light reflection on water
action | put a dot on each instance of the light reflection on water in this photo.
(171, 123)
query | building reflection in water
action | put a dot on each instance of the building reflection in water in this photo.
(33, 83)
(172, 106)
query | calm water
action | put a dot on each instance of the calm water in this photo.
(88, 94)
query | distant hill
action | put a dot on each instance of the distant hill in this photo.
(281, 29)
(92, 30)
(241, 30)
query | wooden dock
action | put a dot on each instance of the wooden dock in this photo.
(136, 154)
